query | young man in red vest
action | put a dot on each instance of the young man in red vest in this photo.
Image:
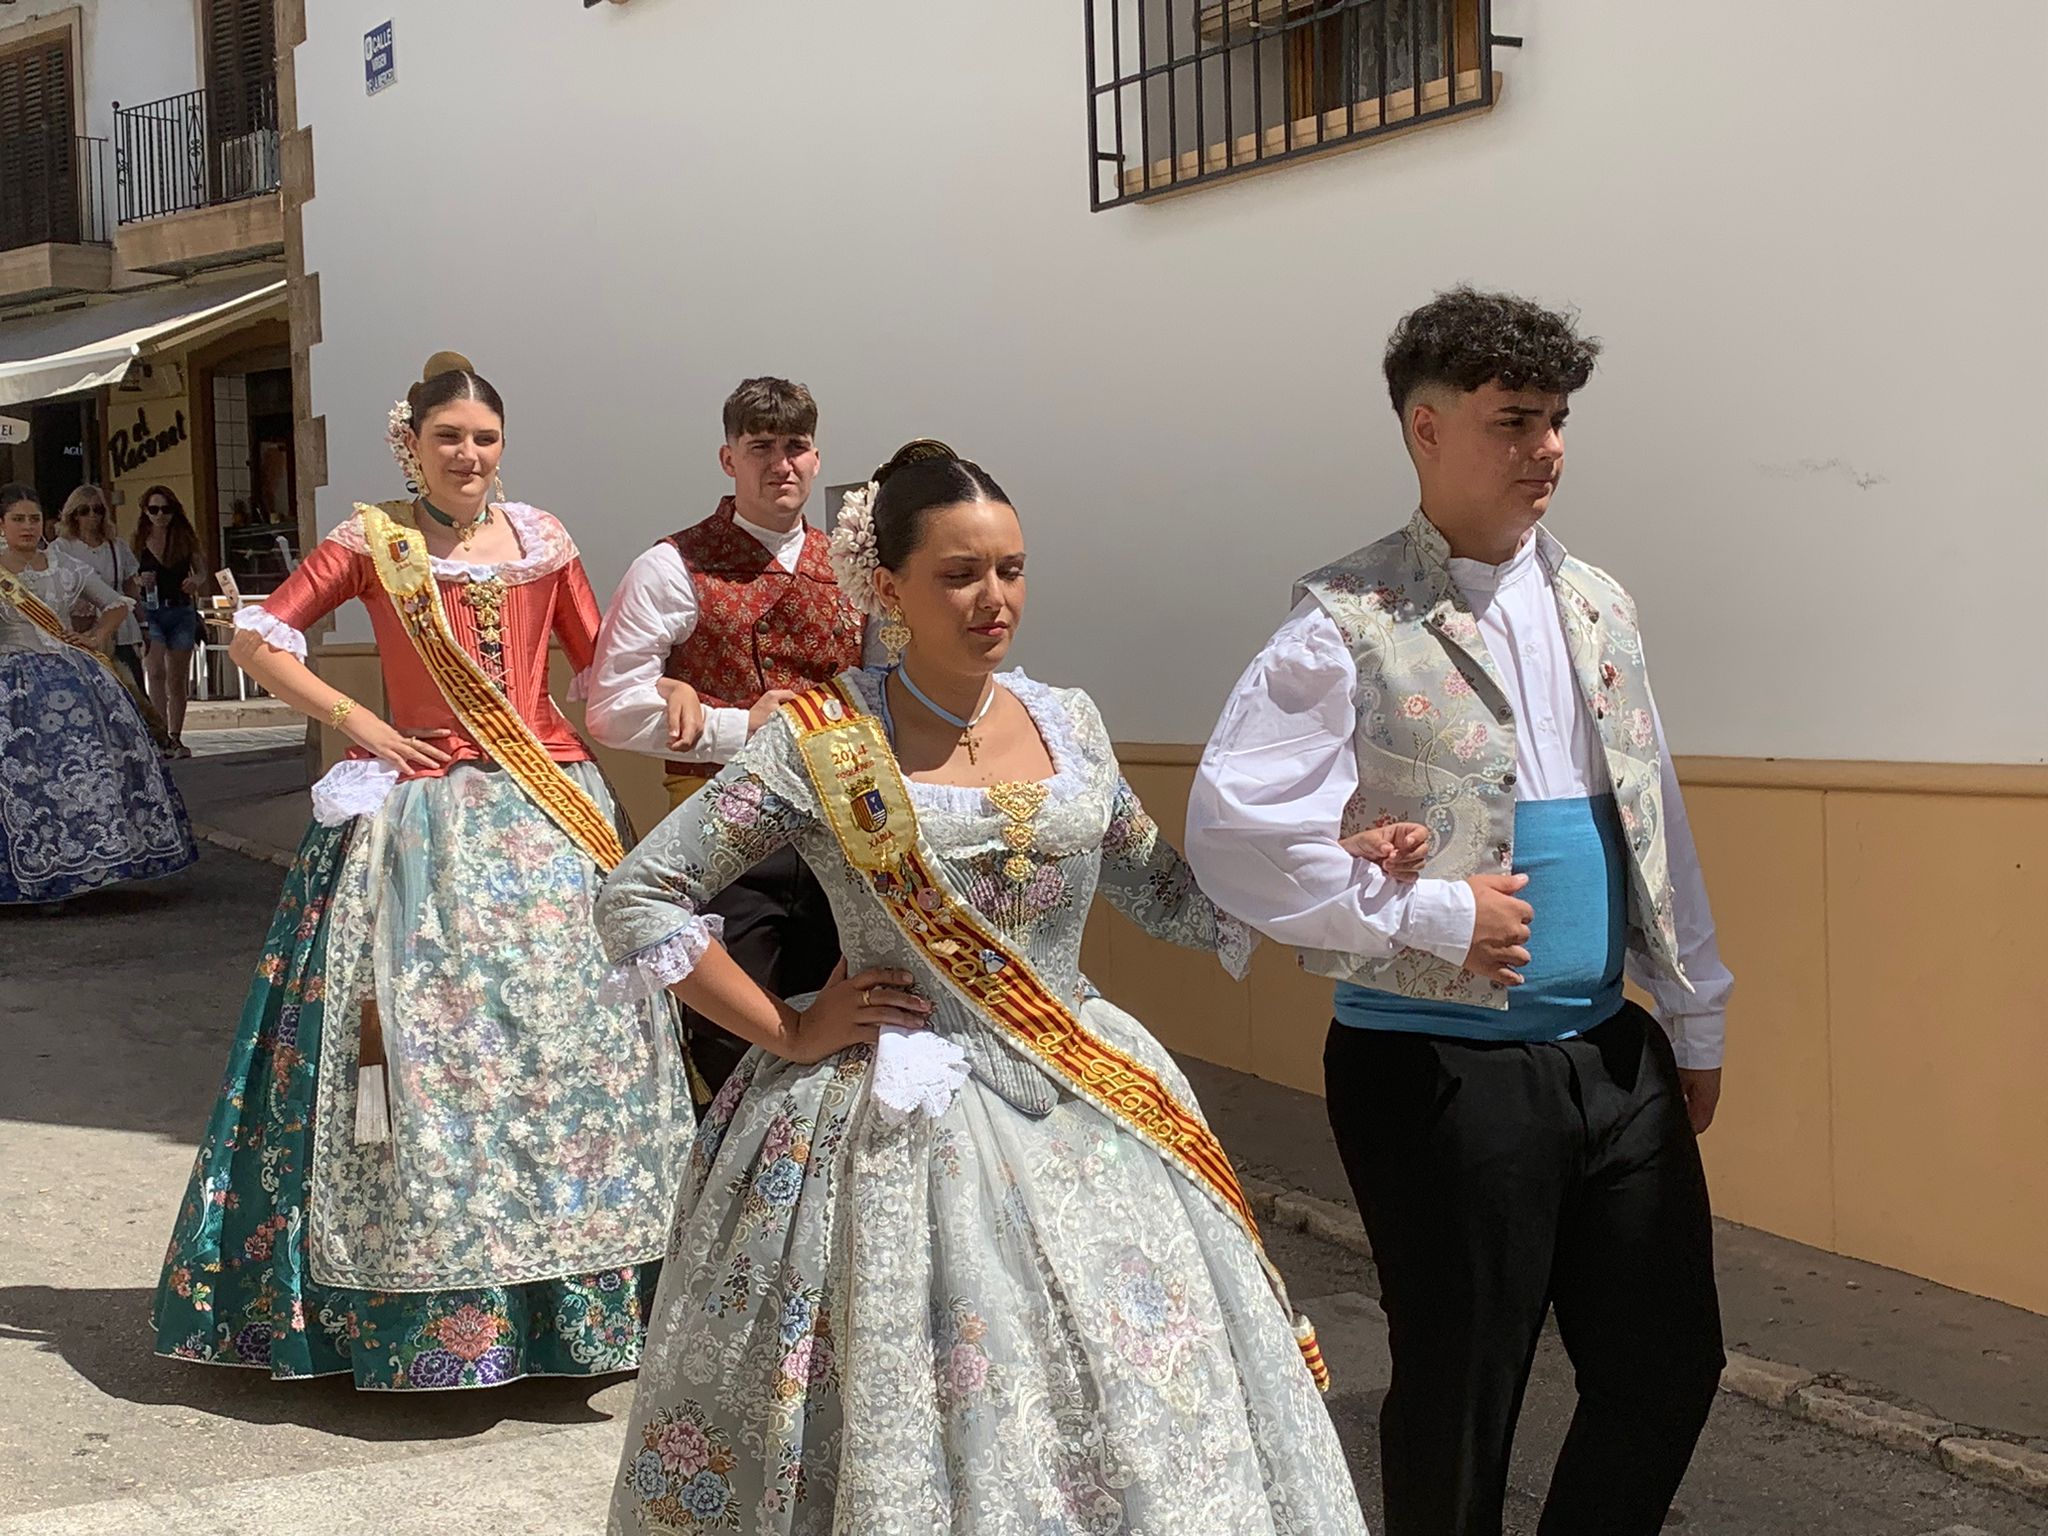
(708, 634)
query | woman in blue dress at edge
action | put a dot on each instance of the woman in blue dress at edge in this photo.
(84, 801)
(955, 1251)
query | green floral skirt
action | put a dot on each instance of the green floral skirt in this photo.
(236, 1289)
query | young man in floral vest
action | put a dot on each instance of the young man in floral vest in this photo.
(710, 632)
(1519, 1136)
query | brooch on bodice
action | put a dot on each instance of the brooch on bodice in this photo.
(487, 602)
(1020, 804)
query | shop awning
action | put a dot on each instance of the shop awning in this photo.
(80, 349)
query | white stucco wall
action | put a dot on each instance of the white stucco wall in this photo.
(130, 51)
(1812, 236)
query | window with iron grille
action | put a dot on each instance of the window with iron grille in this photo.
(1183, 92)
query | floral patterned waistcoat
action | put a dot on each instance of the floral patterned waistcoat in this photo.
(759, 626)
(1436, 737)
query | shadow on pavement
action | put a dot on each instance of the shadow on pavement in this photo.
(105, 1337)
(119, 1010)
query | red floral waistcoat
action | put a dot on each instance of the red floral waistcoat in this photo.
(759, 626)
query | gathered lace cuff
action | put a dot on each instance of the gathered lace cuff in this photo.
(267, 626)
(355, 786)
(1235, 941)
(647, 973)
(916, 1072)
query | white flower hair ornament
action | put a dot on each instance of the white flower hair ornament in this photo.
(855, 555)
(396, 425)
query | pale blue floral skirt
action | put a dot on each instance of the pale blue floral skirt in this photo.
(990, 1324)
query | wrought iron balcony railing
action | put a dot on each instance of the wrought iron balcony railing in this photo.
(197, 150)
(53, 189)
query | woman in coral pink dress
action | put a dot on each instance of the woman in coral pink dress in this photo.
(439, 1158)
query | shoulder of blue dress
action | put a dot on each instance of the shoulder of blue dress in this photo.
(1068, 716)
(865, 683)
(1030, 690)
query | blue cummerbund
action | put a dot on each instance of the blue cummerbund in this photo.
(1575, 858)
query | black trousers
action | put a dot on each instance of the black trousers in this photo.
(778, 926)
(1498, 1181)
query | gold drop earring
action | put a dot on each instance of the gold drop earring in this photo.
(895, 636)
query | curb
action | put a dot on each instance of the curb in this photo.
(1815, 1396)
(241, 845)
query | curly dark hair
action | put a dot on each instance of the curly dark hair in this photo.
(1465, 338)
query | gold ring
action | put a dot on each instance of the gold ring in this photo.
(867, 997)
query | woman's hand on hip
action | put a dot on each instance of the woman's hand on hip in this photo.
(408, 754)
(851, 1010)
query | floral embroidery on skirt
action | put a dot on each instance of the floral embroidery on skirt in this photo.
(236, 1287)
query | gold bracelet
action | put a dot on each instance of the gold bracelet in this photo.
(340, 711)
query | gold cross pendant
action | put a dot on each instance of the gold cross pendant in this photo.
(973, 746)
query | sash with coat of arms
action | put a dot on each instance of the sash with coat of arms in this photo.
(867, 805)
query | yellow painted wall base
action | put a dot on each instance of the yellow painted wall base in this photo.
(1884, 1093)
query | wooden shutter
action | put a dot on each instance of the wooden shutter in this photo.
(35, 87)
(241, 66)
(37, 199)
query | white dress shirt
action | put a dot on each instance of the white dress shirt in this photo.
(1281, 767)
(655, 610)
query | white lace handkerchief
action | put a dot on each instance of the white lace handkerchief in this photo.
(353, 787)
(916, 1072)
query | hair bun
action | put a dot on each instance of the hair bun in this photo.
(918, 450)
(445, 362)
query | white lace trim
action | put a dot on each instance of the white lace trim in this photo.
(1235, 941)
(545, 543)
(916, 1072)
(267, 626)
(355, 786)
(647, 973)
(1069, 760)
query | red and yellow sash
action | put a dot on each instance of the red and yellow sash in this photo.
(40, 614)
(400, 556)
(867, 804)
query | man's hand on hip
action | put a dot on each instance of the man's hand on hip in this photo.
(1500, 928)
